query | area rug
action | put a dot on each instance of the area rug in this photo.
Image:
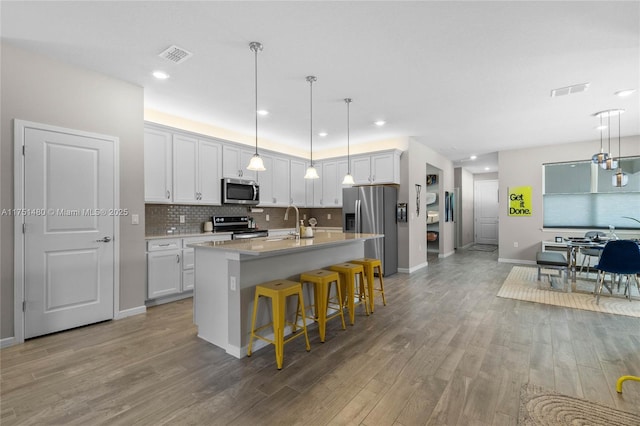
(522, 284)
(542, 407)
(483, 247)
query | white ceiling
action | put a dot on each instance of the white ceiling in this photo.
(461, 77)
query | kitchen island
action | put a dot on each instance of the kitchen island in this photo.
(226, 273)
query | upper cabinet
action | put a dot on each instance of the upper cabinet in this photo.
(376, 168)
(274, 181)
(333, 172)
(157, 166)
(298, 185)
(196, 170)
(235, 163)
(185, 168)
(181, 169)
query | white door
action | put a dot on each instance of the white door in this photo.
(486, 211)
(69, 187)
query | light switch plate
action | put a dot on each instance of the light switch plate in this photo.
(135, 219)
(182, 218)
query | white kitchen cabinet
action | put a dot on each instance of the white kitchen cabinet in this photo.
(315, 187)
(333, 172)
(298, 192)
(157, 166)
(235, 161)
(181, 169)
(163, 268)
(197, 168)
(170, 266)
(274, 181)
(376, 168)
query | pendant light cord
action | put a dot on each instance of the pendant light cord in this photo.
(256, 91)
(348, 101)
(311, 79)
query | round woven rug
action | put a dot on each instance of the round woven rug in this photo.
(542, 407)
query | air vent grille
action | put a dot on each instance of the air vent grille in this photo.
(176, 54)
(570, 90)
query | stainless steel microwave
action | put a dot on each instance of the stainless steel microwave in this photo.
(240, 191)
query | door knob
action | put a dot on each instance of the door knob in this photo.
(104, 240)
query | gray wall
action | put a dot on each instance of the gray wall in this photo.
(464, 180)
(523, 167)
(412, 241)
(36, 88)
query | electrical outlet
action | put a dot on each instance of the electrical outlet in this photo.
(182, 218)
(515, 244)
(328, 216)
(266, 217)
(135, 219)
(232, 283)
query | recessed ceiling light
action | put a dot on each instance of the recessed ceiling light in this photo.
(487, 168)
(603, 127)
(160, 75)
(323, 134)
(625, 92)
(380, 123)
(263, 112)
(473, 157)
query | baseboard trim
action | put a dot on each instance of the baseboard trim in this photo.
(442, 256)
(169, 299)
(131, 312)
(520, 261)
(7, 341)
(413, 268)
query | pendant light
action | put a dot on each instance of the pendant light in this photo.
(256, 161)
(312, 173)
(620, 179)
(602, 156)
(609, 163)
(348, 179)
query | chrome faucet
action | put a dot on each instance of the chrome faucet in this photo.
(286, 217)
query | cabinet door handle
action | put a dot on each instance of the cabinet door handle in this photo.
(177, 258)
(274, 200)
(168, 194)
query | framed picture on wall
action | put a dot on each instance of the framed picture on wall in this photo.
(432, 179)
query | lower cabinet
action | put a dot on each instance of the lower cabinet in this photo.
(164, 259)
(170, 267)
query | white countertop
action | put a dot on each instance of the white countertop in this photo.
(178, 235)
(277, 245)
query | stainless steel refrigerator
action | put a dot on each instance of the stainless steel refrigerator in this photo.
(372, 210)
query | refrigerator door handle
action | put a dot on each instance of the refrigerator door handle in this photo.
(358, 230)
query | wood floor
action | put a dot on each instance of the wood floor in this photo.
(444, 351)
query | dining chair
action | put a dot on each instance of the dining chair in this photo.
(618, 257)
(589, 252)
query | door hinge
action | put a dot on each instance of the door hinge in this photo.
(24, 149)
(24, 305)
(24, 228)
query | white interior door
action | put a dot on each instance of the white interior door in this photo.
(486, 211)
(69, 202)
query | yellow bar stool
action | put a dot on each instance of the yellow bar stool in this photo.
(278, 291)
(623, 379)
(370, 265)
(348, 273)
(322, 280)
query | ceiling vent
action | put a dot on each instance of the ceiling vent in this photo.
(570, 90)
(176, 54)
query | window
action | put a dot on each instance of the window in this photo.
(581, 195)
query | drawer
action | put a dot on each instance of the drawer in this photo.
(163, 244)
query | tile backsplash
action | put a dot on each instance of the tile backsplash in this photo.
(162, 218)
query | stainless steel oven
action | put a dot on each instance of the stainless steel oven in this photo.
(238, 226)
